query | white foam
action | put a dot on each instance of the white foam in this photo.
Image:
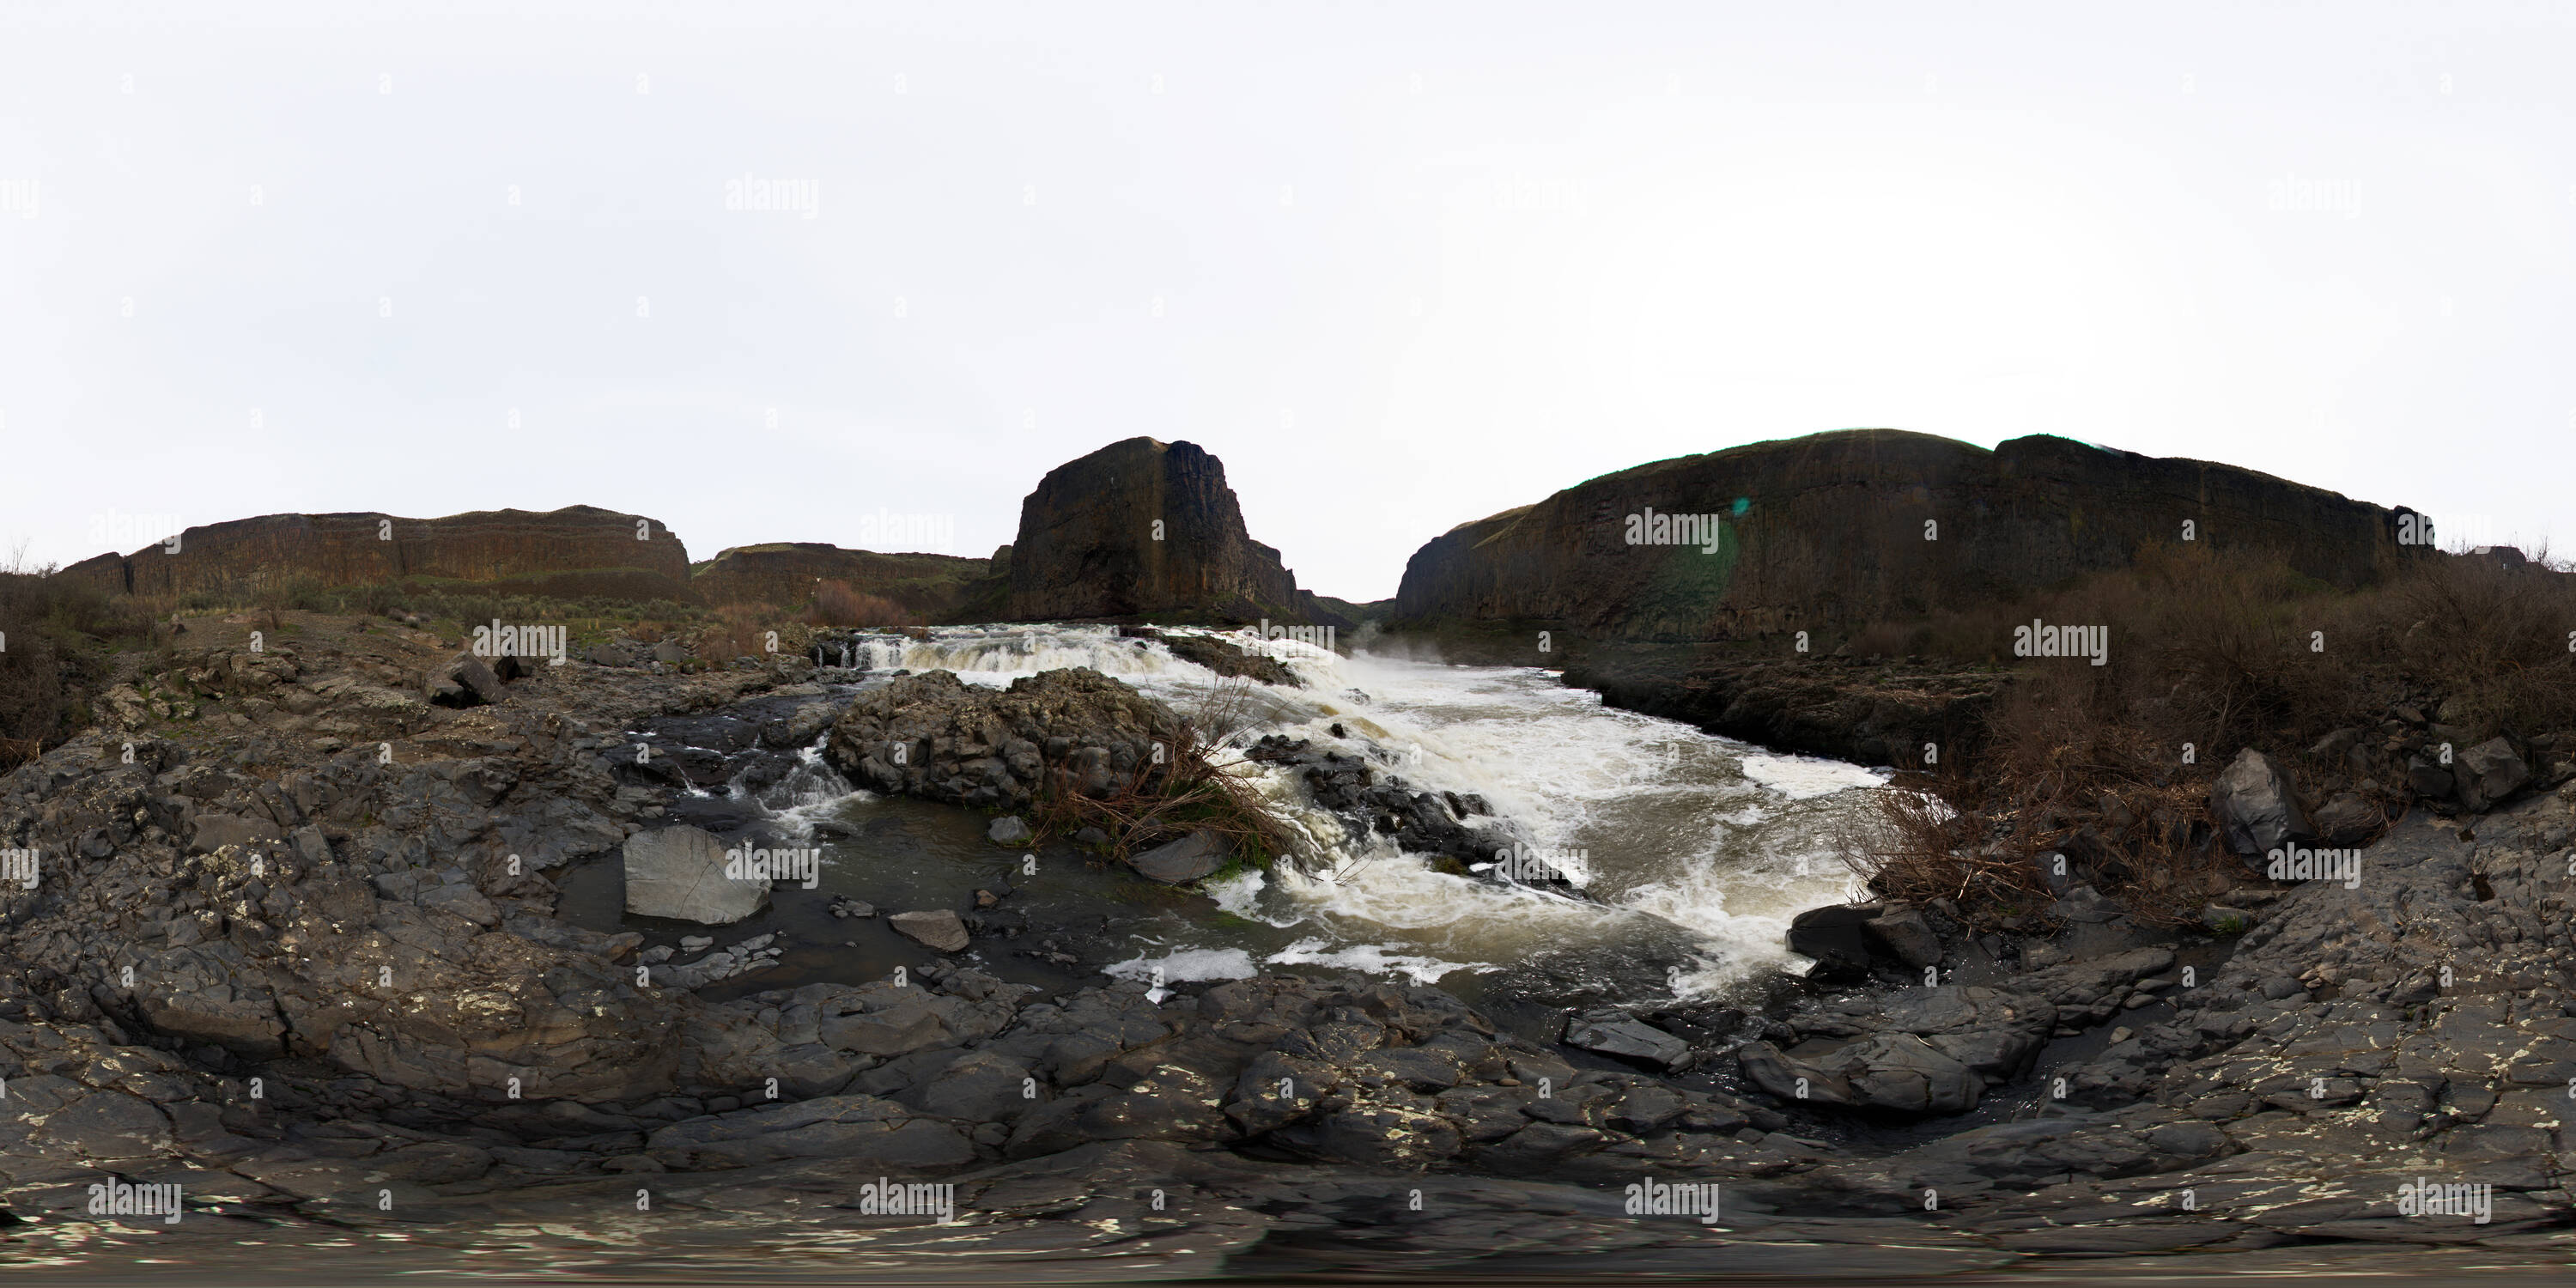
(1804, 777)
(1373, 959)
(1187, 965)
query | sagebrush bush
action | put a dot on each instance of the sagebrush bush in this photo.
(2210, 653)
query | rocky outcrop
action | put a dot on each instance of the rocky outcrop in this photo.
(1146, 527)
(932, 588)
(1371, 801)
(377, 943)
(937, 738)
(574, 551)
(1870, 712)
(1829, 532)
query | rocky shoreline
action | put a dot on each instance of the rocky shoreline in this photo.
(297, 946)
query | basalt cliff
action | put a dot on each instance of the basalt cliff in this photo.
(1831, 532)
(1143, 527)
(623, 554)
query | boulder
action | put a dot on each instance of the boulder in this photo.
(1008, 830)
(2427, 779)
(2488, 773)
(2086, 904)
(1186, 859)
(1833, 936)
(938, 928)
(465, 682)
(1906, 935)
(679, 872)
(1626, 1037)
(2256, 807)
(2347, 819)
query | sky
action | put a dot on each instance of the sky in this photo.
(771, 272)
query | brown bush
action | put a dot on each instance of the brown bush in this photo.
(739, 630)
(2214, 652)
(55, 638)
(837, 603)
(1196, 792)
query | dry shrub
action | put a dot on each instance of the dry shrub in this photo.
(1198, 791)
(1910, 845)
(58, 636)
(837, 603)
(737, 630)
(2216, 652)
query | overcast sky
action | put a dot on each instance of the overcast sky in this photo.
(1400, 265)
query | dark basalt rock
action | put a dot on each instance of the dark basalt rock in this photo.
(1142, 526)
(1371, 800)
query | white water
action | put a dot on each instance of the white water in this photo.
(1693, 848)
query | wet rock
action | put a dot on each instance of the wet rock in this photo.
(1834, 937)
(1184, 860)
(935, 737)
(2256, 807)
(1225, 657)
(1371, 801)
(1906, 935)
(2221, 919)
(679, 873)
(2084, 903)
(938, 928)
(1008, 830)
(1629, 1038)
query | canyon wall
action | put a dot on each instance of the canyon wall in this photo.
(932, 588)
(1829, 532)
(245, 556)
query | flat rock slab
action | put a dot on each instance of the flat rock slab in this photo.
(939, 928)
(1186, 859)
(1634, 1039)
(679, 872)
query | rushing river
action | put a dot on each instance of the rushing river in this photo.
(1694, 850)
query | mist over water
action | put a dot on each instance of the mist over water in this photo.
(1695, 851)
